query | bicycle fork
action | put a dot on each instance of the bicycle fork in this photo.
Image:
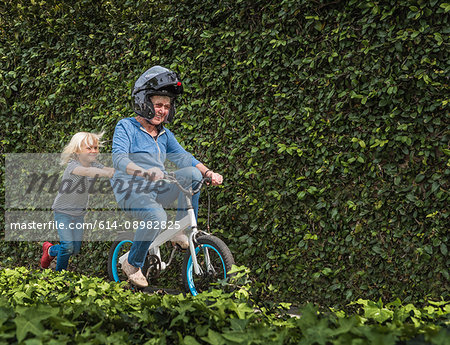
(197, 269)
(193, 231)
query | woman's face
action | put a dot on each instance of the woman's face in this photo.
(88, 153)
(162, 108)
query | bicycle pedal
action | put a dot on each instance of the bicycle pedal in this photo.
(180, 248)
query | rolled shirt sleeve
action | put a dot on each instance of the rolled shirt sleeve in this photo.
(121, 147)
(177, 154)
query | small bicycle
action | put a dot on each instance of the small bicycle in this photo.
(207, 259)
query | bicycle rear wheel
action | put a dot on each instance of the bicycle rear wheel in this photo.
(117, 253)
(119, 247)
(220, 262)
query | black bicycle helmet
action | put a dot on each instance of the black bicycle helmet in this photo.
(156, 81)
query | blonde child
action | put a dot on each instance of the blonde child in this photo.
(70, 204)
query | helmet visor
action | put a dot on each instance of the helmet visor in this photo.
(166, 83)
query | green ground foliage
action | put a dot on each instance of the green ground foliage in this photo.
(328, 119)
(46, 307)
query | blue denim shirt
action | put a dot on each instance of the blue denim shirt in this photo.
(132, 143)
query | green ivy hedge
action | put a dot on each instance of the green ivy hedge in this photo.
(329, 121)
(47, 307)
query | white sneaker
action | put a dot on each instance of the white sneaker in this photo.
(134, 274)
(181, 239)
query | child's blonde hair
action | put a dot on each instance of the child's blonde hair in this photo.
(74, 146)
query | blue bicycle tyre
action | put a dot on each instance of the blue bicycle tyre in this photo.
(221, 262)
(118, 248)
(115, 257)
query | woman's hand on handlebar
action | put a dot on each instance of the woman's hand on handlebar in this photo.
(216, 179)
(153, 174)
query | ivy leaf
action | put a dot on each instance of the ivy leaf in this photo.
(318, 334)
(6, 312)
(29, 320)
(237, 337)
(214, 338)
(443, 248)
(378, 314)
(378, 337)
(239, 324)
(242, 310)
(189, 340)
(345, 325)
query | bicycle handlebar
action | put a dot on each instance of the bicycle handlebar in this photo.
(170, 177)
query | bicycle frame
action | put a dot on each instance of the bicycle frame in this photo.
(188, 222)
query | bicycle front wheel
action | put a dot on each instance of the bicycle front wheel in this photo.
(215, 261)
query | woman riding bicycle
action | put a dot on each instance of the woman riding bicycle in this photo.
(140, 147)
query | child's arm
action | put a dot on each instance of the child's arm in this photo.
(94, 172)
